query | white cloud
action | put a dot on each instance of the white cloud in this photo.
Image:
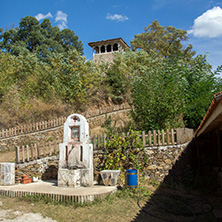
(41, 16)
(117, 17)
(209, 24)
(61, 18)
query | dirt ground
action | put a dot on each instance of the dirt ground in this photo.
(7, 156)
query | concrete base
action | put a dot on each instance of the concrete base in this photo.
(74, 178)
(61, 194)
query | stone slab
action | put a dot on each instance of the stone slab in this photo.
(50, 188)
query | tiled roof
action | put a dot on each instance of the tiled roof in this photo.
(210, 110)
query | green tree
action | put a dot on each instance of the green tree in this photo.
(165, 41)
(40, 38)
(199, 86)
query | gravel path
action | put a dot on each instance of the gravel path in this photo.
(18, 216)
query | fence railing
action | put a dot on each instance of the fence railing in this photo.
(35, 151)
(44, 125)
(153, 138)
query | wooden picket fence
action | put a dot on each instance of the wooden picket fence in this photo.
(44, 125)
(35, 151)
(31, 128)
(153, 138)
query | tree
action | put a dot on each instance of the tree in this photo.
(165, 41)
(199, 85)
(40, 38)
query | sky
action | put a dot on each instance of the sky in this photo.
(96, 20)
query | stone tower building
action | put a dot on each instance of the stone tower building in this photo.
(104, 50)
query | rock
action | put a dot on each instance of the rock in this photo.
(152, 167)
(168, 161)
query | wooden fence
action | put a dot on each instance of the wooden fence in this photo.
(44, 125)
(149, 139)
(35, 151)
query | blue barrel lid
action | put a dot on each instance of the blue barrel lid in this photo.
(131, 171)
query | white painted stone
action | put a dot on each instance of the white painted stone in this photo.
(75, 153)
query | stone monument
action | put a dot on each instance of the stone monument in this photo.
(75, 154)
(7, 174)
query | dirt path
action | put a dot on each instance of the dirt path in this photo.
(7, 156)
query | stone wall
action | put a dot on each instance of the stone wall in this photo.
(161, 161)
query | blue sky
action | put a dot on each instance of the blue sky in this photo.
(95, 20)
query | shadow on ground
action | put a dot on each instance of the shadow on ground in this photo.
(187, 193)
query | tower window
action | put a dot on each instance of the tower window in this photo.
(115, 47)
(109, 48)
(102, 49)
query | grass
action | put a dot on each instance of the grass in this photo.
(121, 206)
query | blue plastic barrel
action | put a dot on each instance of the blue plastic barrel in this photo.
(131, 178)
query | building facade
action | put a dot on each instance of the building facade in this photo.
(105, 50)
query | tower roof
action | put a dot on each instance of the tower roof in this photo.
(109, 41)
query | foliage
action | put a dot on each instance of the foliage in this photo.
(41, 39)
(123, 151)
(165, 41)
(166, 92)
(199, 86)
(26, 82)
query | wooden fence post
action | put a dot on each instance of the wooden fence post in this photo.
(150, 138)
(144, 138)
(154, 137)
(36, 151)
(158, 136)
(23, 154)
(32, 152)
(17, 154)
(163, 137)
(27, 150)
(172, 136)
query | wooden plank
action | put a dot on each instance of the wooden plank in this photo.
(23, 154)
(158, 137)
(163, 138)
(32, 151)
(37, 126)
(168, 137)
(27, 151)
(144, 138)
(172, 136)
(17, 154)
(154, 138)
(10, 132)
(6, 132)
(150, 138)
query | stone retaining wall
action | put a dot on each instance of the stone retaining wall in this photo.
(161, 161)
